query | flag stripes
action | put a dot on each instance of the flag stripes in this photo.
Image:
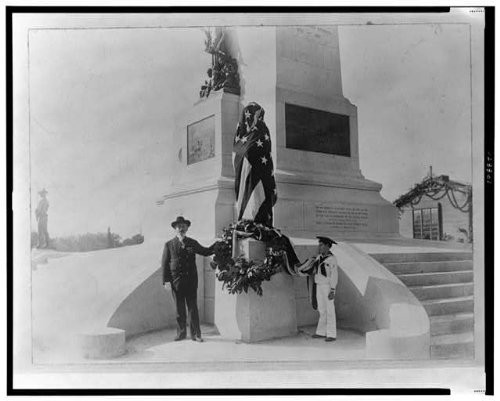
(255, 186)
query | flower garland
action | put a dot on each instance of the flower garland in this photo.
(239, 274)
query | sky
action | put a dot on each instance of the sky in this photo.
(103, 103)
(411, 85)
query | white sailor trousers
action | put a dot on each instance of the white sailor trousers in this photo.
(327, 324)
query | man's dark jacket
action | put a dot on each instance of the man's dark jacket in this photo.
(179, 261)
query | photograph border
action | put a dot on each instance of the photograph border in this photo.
(488, 211)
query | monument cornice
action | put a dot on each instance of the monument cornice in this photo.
(348, 182)
(196, 187)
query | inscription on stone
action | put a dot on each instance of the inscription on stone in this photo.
(317, 130)
(343, 218)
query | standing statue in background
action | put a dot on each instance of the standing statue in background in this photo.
(42, 218)
(214, 43)
(223, 72)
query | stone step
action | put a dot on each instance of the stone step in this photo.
(453, 346)
(446, 306)
(420, 257)
(436, 278)
(428, 267)
(443, 290)
(451, 324)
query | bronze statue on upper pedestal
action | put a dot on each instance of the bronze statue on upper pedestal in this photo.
(223, 73)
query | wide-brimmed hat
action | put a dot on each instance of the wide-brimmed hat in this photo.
(43, 191)
(325, 240)
(180, 220)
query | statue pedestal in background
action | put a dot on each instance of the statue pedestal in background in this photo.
(249, 317)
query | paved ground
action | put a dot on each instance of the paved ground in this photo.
(154, 360)
(158, 346)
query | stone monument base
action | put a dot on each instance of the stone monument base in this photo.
(249, 317)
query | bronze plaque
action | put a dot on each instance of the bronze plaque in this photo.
(201, 140)
(317, 130)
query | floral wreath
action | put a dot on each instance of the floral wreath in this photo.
(239, 274)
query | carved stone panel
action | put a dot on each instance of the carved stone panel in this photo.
(201, 140)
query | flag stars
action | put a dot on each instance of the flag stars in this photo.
(260, 143)
(267, 137)
(237, 139)
(264, 160)
(244, 139)
(247, 114)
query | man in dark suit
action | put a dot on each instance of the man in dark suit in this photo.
(180, 275)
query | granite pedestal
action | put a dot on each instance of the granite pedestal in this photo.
(249, 317)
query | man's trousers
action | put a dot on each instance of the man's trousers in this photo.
(185, 295)
(327, 325)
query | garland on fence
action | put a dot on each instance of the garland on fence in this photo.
(239, 274)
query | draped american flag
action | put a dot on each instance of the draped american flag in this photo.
(253, 166)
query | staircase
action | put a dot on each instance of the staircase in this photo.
(443, 282)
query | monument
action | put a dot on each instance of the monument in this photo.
(296, 78)
(313, 127)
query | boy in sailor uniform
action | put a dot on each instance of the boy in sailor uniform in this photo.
(324, 269)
